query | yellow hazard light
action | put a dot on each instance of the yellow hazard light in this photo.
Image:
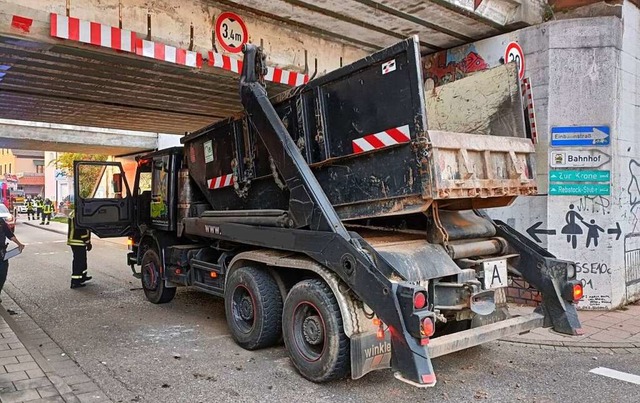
(213, 274)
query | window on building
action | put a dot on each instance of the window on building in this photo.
(39, 169)
(10, 171)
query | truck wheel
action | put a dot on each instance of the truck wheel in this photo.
(152, 282)
(313, 332)
(253, 305)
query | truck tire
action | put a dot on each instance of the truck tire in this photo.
(152, 282)
(313, 332)
(253, 305)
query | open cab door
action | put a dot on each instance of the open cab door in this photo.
(103, 202)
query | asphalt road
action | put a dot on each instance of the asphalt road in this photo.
(182, 352)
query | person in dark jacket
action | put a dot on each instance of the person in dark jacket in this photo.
(6, 233)
(80, 242)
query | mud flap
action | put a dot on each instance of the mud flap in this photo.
(369, 353)
(549, 276)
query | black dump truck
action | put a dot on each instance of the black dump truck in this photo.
(333, 218)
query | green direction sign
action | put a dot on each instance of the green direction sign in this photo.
(579, 176)
(579, 189)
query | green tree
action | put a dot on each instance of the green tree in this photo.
(65, 160)
(89, 175)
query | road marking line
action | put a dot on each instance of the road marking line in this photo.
(612, 373)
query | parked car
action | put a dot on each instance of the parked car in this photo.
(21, 208)
(8, 217)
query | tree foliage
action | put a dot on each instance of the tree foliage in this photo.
(65, 160)
(89, 175)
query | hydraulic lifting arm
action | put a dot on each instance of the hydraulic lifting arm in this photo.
(345, 253)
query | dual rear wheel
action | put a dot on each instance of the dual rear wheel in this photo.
(308, 320)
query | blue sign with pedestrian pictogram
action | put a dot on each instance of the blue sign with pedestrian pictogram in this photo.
(564, 136)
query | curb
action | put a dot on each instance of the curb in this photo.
(582, 343)
(44, 228)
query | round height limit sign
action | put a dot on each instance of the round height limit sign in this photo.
(231, 32)
(514, 53)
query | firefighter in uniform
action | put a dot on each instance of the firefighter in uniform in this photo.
(30, 209)
(47, 210)
(39, 207)
(80, 242)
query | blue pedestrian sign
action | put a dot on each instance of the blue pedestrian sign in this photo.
(562, 136)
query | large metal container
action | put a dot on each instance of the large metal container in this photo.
(363, 130)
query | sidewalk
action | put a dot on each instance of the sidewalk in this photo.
(33, 368)
(603, 330)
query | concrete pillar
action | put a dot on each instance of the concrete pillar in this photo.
(584, 72)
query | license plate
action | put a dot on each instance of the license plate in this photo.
(495, 274)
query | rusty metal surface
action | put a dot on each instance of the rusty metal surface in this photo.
(471, 166)
(482, 247)
(416, 259)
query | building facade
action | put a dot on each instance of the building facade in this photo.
(23, 170)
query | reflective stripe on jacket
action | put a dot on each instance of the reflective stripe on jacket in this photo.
(77, 236)
(47, 209)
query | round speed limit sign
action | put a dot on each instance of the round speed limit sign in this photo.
(514, 53)
(231, 32)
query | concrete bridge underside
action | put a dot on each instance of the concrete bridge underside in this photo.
(64, 82)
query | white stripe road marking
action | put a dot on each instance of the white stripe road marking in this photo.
(612, 373)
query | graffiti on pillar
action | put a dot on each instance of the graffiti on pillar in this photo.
(595, 204)
(634, 185)
(450, 65)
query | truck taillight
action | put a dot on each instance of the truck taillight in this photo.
(419, 300)
(427, 328)
(130, 243)
(578, 292)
